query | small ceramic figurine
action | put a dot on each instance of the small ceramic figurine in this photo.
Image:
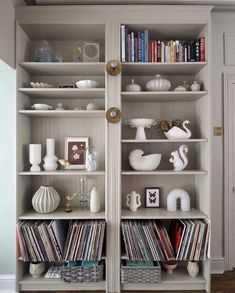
(179, 159)
(63, 163)
(60, 107)
(195, 87)
(91, 106)
(36, 269)
(68, 207)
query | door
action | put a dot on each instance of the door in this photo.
(229, 169)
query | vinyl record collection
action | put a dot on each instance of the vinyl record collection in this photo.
(148, 240)
(59, 240)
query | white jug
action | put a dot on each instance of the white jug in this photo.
(133, 201)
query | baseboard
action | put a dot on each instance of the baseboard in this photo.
(217, 265)
(7, 283)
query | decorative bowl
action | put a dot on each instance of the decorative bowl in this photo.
(87, 83)
(170, 265)
(133, 87)
(140, 124)
(41, 107)
(144, 163)
(158, 84)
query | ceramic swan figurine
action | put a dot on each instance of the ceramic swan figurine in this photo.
(178, 133)
(179, 158)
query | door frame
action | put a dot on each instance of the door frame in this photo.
(229, 213)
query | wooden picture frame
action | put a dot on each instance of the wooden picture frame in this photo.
(75, 148)
(152, 196)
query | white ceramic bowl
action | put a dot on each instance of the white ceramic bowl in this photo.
(144, 163)
(41, 107)
(87, 83)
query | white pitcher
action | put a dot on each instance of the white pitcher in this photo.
(133, 201)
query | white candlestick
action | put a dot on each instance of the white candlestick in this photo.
(35, 157)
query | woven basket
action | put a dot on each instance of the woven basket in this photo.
(141, 274)
(82, 274)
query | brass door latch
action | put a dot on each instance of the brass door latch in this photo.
(113, 67)
(113, 115)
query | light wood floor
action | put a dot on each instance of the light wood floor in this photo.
(220, 284)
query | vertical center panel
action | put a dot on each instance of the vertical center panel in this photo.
(113, 162)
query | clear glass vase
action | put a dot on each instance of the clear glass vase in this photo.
(83, 197)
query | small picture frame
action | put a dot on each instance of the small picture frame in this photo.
(75, 148)
(66, 85)
(152, 195)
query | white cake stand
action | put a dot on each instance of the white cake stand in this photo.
(140, 124)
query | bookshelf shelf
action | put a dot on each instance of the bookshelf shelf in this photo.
(60, 214)
(63, 173)
(64, 68)
(64, 113)
(57, 93)
(29, 283)
(165, 172)
(192, 140)
(162, 96)
(161, 213)
(150, 68)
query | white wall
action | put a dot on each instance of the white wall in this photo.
(222, 22)
(7, 170)
(7, 32)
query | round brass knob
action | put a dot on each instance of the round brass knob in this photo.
(113, 115)
(113, 67)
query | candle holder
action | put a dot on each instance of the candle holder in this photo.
(35, 151)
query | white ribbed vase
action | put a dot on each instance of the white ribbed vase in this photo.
(193, 268)
(45, 200)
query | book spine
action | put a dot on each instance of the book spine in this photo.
(162, 52)
(171, 51)
(158, 51)
(167, 52)
(136, 50)
(202, 49)
(150, 51)
(197, 51)
(146, 41)
(132, 47)
(142, 47)
(129, 47)
(123, 40)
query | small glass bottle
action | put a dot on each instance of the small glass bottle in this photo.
(91, 159)
(83, 198)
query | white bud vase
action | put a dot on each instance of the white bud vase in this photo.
(94, 201)
(193, 268)
(50, 160)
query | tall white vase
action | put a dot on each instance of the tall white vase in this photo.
(50, 160)
(94, 201)
(35, 157)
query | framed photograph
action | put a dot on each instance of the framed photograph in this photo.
(75, 148)
(152, 197)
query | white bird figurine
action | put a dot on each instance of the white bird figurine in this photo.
(179, 158)
(177, 133)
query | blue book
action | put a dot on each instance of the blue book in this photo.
(142, 47)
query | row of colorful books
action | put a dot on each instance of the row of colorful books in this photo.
(190, 239)
(146, 240)
(137, 47)
(85, 240)
(60, 240)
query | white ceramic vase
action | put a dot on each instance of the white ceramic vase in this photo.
(35, 154)
(193, 268)
(36, 269)
(133, 201)
(133, 87)
(195, 87)
(158, 84)
(50, 160)
(45, 200)
(94, 201)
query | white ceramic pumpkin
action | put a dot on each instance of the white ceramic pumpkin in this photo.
(45, 200)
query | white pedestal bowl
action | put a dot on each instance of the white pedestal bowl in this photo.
(140, 124)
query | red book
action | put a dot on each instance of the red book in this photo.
(202, 49)
(150, 51)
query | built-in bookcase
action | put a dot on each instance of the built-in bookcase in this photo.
(65, 27)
